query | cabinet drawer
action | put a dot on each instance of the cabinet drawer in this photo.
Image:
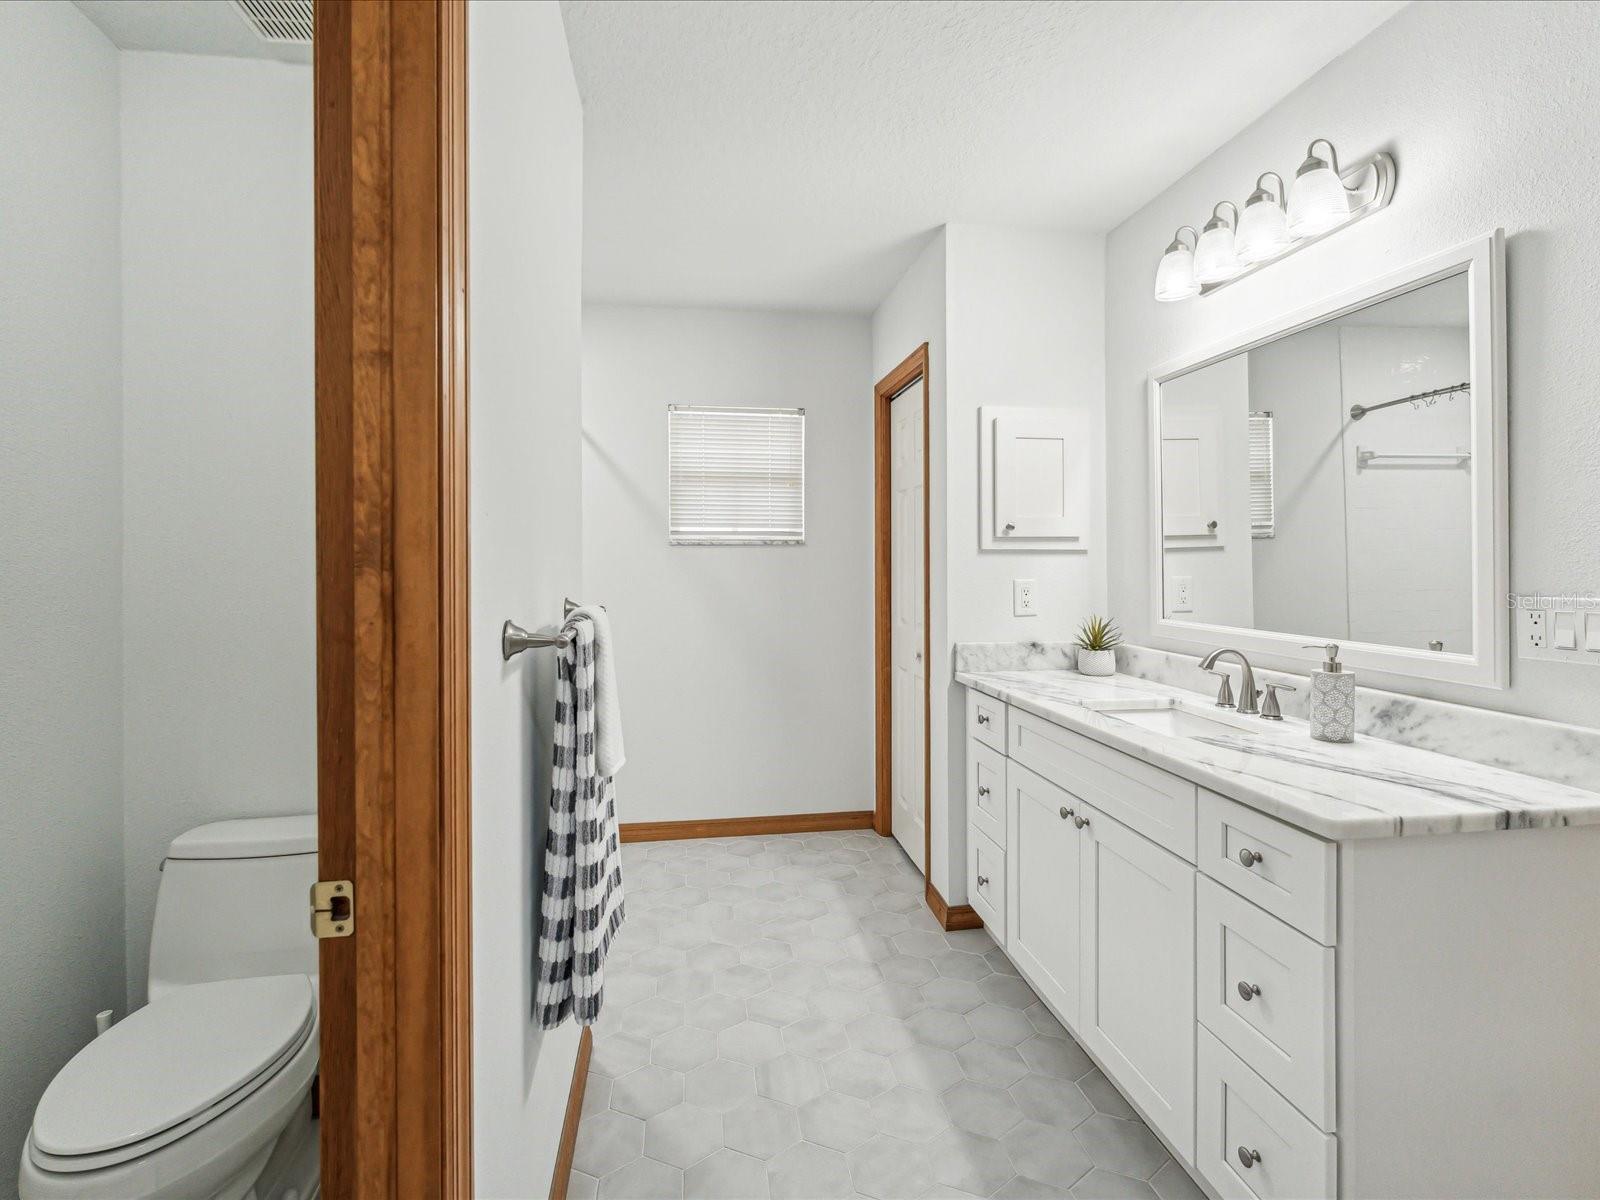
(986, 883)
(1266, 991)
(986, 791)
(986, 720)
(1285, 870)
(1142, 797)
(1239, 1119)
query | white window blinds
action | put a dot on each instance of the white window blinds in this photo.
(736, 475)
(1263, 505)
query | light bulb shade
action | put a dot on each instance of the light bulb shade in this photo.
(1263, 231)
(1175, 276)
(1214, 257)
(1317, 200)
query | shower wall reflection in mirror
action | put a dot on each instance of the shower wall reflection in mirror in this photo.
(1321, 484)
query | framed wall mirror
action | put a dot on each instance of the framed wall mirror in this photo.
(1340, 475)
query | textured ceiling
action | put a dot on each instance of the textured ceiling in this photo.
(185, 27)
(783, 154)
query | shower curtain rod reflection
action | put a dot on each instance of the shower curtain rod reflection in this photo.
(1357, 411)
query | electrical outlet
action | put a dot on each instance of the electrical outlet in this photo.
(1183, 593)
(1533, 628)
(1024, 598)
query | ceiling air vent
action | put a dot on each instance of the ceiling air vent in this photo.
(283, 21)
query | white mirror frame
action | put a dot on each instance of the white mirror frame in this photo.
(1489, 664)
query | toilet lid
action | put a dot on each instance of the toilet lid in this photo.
(179, 1056)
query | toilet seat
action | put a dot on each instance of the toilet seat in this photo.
(170, 1068)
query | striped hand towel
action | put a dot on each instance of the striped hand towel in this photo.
(581, 908)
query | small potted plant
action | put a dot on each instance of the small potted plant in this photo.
(1098, 638)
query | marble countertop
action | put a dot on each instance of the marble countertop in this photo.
(1365, 789)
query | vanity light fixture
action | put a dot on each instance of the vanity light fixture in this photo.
(1318, 200)
(1175, 276)
(1276, 222)
(1263, 226)
(1214, 257)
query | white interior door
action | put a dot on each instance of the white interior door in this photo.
(908, 695)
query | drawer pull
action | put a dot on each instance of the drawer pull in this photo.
(1248, 990)
(983, 718)
(983, 881)
(1066, 813)
(982, 790)
(1248, 1158)
(1249, 857)
(1080, 822)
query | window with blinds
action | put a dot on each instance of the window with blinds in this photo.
(1263, 510)
(736, 476)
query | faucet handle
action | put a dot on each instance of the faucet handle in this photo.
(1225, 691)
(1269, 706)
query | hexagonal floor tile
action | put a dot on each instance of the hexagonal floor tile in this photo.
(1106, 1185)
(816, 1037)
(888, 1168)
(760, 1128)
(606, 1142)
(1045, 1153)
(750, 1042)
(791, 1079)
(683, 1135)
(643, 1179)
(684, 1049)
(859, 1073)
(978, 1108)
(777, 1008)
(1009, 991)
(715, 1013)
(985, 1062)
(945, 1030)
(996, 1023)
(837, 1121)
(727, 1175)
(720, 1085)
(808, 1172)
(901, 968)
(742, 980)
(952, 995)
(973, 1164)
(616, 1054)
(1051, 1101)
(908, 1113)
(927, 1068)
(1061, 1057)
(879, 1034)
(1126, 1147)
(652, 1017)
(765, 952)
(646, 1092)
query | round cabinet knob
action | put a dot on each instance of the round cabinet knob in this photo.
(983, 718)
(982, 791)
(1249, 857)
(1009, 526)
(1248, 991)
(1080, 822)
(983, 881)
(1066, 813)
(1248, 1158)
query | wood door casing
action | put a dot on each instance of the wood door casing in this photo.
(392, 703)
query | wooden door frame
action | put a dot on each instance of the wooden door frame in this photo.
(392, 639)
(896, 381)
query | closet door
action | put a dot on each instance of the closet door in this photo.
(1137, 1006)
(908, 604)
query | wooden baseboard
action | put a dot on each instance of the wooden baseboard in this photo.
(960, 916)
(569, 1127)
(669, 831)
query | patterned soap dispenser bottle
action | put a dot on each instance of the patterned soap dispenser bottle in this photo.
(1333, 698)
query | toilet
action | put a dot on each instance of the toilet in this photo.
(205, 1093)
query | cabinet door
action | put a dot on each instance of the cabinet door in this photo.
(1137, 1003)
(1041, 473)
(1044, 888)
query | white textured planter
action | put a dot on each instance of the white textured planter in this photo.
(1097, 662)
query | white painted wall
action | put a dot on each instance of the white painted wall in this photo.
(219, 617)
(745, 672)
(1445, 88)
(1013, 317)
(60, 552)
(525, 126)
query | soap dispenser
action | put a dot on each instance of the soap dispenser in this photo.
(1333, 698)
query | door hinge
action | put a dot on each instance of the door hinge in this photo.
(333, 908)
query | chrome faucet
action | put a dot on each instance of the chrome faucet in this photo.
(1247, 682)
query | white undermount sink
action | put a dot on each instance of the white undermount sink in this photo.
(1174, 718)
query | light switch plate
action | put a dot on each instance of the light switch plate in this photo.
(1024, 598)
(1566, 631)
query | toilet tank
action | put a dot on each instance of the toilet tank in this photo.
(234, 902)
